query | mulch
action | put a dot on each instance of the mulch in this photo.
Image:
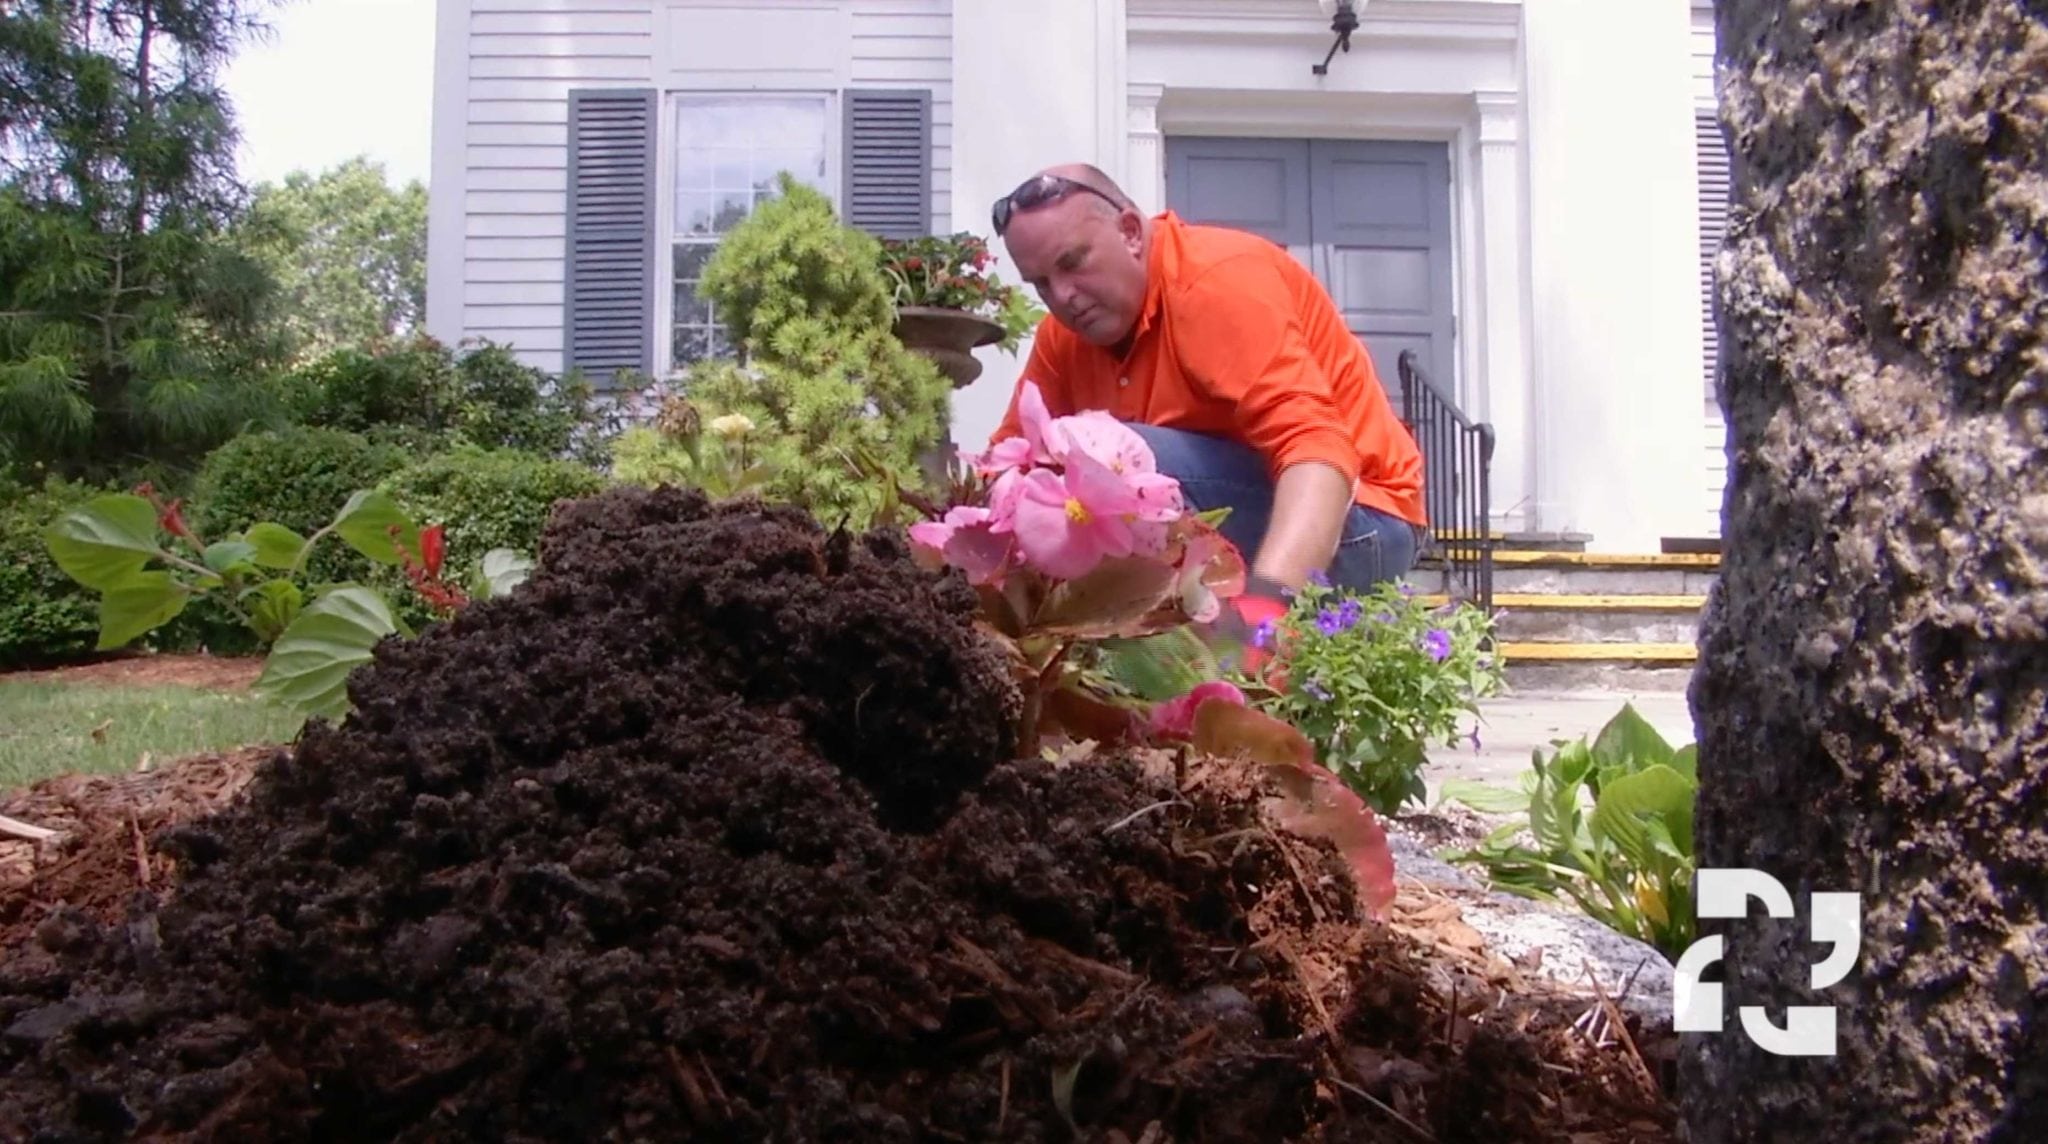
(208, 672)
(103, 854)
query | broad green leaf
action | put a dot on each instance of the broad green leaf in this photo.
(504, 570)
(135, 606)
(1658, 792)
(1686, 761)
(1160, 667)
(309, 665)
(224, 555)
(366, 521)
(1629, 742)
(1484, 797)
(1107, 601)
(276, 546)
(106, 540)
(274, 605)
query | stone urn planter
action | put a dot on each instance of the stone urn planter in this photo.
(948, 338)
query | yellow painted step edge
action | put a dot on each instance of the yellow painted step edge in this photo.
(1608, 559)
(1631, 652)
(1534, 601)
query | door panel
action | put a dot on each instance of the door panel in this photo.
(1259, 185)
(1382, 226)
(1371, 219)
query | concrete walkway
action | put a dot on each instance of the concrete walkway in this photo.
(1512, 726)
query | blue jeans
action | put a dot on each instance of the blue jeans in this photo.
(1215, 473)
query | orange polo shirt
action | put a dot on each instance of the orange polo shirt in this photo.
(1237, 339)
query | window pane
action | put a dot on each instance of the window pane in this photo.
(729, 149)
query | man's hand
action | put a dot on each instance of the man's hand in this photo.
(1310, 502)
(1262, 603)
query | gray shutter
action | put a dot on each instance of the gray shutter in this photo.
(608, 286)
(1715, 193)
(888, 162)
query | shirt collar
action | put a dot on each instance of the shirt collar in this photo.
(1161, 262)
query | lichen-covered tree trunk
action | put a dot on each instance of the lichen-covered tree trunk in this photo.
(1875, 659)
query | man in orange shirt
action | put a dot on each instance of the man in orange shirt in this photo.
(1235, 365)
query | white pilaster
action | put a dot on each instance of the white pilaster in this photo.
(1145, 170)
(1614, 262)
(1503, 332)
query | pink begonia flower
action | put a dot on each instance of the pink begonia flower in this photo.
(1197, 598)
(968, 540)
(1066, 523)
(1034, 447)
(1175, 718)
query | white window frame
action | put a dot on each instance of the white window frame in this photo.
(671, 108)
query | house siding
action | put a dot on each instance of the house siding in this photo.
(524, 56)
(1713, 217)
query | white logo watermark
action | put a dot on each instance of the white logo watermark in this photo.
(1809, 1030)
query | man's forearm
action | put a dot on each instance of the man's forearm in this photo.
(1310, 502)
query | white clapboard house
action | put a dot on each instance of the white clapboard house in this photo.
(1514, 201)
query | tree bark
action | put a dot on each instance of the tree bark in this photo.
(1874, 659)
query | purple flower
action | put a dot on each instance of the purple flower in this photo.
(1437, 643)
(1262, 637)
(1348, 612)
(1407, 589)
(1316, 689)
(1330, 621)
(1384, 618)
(1319, 578)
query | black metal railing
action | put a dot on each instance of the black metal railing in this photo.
(1457, 460)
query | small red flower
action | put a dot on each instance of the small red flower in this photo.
(433, 546)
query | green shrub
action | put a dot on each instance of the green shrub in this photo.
(838, 403)
(483, 499)
(419, 394)
(297, 477)
(46, 617)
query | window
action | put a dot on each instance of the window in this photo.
(728, 151)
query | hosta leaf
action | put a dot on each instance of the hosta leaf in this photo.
(366, 523)
(309, 665)
(276, 546)
(137, 605)
(1628, 742)
(104, 541)
(1657, 792)
(1484, 797)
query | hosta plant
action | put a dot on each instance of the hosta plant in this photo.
(1072, 537)
(147, 563)
(1608, 826)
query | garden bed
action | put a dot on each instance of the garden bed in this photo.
(714, 830)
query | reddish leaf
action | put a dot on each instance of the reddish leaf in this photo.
(1175, 718)
(1314, 803)
(1108, 601)
(1081, 716)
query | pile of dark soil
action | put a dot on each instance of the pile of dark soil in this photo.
(713, 831)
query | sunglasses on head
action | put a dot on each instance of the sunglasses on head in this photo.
(1037, 191)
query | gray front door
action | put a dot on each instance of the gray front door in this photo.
(1372, 219)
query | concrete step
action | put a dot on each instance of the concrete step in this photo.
(1517, 571)
(1631, 619)
(1550, 664)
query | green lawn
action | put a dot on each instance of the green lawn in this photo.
(47, 728)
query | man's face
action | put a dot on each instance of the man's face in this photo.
(1085, 261)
